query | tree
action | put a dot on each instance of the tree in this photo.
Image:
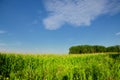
(82, 49)
(113, 48)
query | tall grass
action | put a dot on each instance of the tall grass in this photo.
(59, 67)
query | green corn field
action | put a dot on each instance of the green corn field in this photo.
(59, 67)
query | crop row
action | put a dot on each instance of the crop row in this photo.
(59, 67)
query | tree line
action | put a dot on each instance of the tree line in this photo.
(82, 49)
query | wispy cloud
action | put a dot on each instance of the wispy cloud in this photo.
(10, 47)
(3, 44)
(118, 33)
(77, 12)
(3, 32)
(10, 44)
(35, 22)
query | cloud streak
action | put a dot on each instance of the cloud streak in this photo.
(77, 12)
(3, 32)
(3, 44)
(10, 44)
(118, 33)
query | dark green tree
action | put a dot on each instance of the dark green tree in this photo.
(83, 49)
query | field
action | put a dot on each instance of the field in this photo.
(59, 67)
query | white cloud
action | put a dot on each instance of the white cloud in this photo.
(3, 32)
(77, 12)
(118, 33)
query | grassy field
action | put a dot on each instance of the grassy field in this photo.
(59, 67)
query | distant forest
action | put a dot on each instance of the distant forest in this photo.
(82, 49)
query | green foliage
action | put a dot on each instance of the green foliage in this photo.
(113, 48)
(83, 49)
(59, 67)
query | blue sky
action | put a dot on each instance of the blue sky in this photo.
(52, 26)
